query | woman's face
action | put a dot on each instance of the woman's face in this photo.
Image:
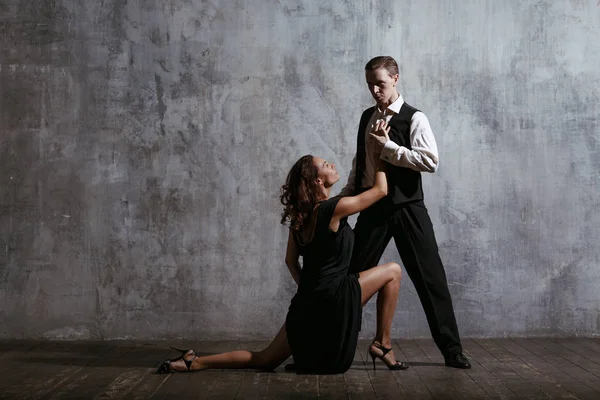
(326, 171)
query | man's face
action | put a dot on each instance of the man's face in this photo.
(382, 86)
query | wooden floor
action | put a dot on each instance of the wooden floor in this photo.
(502, 369)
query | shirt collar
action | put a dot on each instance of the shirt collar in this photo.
(395, 106)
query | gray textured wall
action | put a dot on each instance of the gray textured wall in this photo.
(143, 144)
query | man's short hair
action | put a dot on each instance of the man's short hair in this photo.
(386, 62)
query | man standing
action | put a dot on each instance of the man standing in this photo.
(403, 136)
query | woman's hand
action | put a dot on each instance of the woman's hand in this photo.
(380, 135)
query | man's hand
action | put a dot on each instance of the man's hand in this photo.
(379, 136)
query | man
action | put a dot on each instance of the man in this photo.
(403, 138)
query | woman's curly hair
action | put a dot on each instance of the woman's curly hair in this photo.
(300, 193)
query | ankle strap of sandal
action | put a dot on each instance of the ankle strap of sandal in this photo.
(385, 350)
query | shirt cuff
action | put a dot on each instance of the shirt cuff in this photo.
(388, 153)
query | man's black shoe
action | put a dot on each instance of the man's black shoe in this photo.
(458, 361)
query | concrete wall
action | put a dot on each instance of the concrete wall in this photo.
(143, 144)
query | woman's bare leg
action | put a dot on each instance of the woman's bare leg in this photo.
(385, 280)
(269, 358)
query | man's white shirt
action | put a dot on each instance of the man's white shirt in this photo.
(423, 156)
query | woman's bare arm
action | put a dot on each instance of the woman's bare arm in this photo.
(292, 258)
(354, 204)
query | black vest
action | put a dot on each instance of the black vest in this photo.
(404, 184)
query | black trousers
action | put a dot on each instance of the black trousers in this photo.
(410, 226)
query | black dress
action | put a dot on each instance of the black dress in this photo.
(324, 317)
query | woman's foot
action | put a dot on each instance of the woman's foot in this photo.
(377, 349)
(183, 363)
(385, 354)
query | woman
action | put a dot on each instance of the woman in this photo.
(322, 325)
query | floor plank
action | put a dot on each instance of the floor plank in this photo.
(579, 348)
(538, 368)
(200, 383)
(584, 362)
(289, 384)
(358, 385)
(518, 363)
(490, 383)
(432, 372)
(96, 375)
(254, 383)
(332, 387)
(573, 370)
(227, 385)
(485, 354)
(253, 386)
(48, 365)
(409, 381)
(537, 358)
(592, 343)
(458, 379)
(382, 379)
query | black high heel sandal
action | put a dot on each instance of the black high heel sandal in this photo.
(394, 367)
(165, 366)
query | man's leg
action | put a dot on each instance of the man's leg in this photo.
(371, 236)
(415, 240)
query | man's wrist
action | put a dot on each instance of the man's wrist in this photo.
(388, 151)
